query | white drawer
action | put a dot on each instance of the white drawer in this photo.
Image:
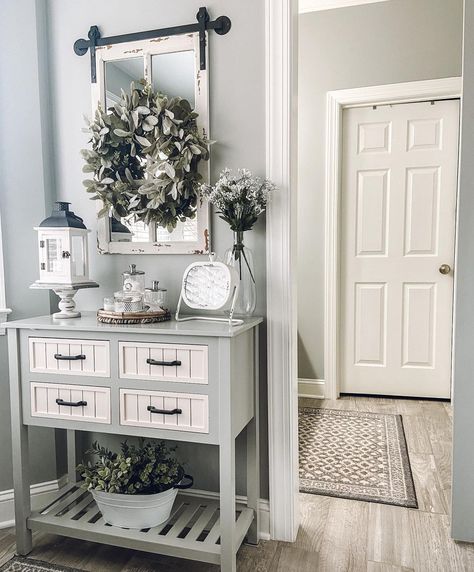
(187, 412)
(69, 357)
(182, 363)
(75, 402)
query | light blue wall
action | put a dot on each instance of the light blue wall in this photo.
(25, 186)
(237, 95)
(42, 108)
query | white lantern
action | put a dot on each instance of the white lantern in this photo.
(63, 252)
(63, 258)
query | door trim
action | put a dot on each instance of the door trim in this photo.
(337, 101)
(281, 30)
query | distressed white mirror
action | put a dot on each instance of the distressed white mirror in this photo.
(172, 66)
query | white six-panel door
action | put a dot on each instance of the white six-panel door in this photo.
(399, 185)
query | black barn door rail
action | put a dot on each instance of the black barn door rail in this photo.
(220, 25)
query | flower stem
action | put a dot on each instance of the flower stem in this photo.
(238, 250)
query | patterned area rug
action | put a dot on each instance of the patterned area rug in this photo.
(20, 564)
(355, 455)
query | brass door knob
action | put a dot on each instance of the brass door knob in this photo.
(445, 269)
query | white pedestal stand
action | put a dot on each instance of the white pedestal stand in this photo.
(66, 293)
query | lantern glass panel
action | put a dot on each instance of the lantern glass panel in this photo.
(53, 254)
(77, 255)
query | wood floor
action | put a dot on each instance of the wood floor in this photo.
(336, 535)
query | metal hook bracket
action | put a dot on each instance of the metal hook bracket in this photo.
(220, 25)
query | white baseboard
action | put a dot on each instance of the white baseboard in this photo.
(41, 494)
(311, 388)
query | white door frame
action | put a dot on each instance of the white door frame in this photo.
(281, 25)
(337, 101)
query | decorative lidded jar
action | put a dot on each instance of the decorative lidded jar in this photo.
(155, 297)
(133, 280)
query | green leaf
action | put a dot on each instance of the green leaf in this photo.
(169, 170)
(151, 120)
(143, 141)
(122, 133)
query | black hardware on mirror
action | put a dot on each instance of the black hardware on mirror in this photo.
(60, 357)
(220, 25)
(158, 362)
(71, 403)
(152, 409)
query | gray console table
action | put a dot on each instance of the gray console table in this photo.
(120, 374)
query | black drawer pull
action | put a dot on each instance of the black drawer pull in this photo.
(152, 409)
(71, 403)
(158, 362)
(60, 357)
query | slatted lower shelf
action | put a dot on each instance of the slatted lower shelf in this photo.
(192, 531)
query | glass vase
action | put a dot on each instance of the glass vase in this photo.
(241, 258)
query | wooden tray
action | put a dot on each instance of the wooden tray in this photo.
(145, 317)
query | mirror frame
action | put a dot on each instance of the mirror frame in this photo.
(147, 49)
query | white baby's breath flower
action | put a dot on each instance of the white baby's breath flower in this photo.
(240, 198)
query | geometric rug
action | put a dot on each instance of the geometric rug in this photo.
(20, 564)
(355, 455)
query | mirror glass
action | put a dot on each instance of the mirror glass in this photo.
(118, 75)
(173, 74)
(171, 66)
(128, 231)
(184, 231)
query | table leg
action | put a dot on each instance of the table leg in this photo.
(71, 456)
(21, 461)
(253, 454)
(227, 506)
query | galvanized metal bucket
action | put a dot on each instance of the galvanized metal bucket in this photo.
(138, 511)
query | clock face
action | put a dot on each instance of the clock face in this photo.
(207, 285)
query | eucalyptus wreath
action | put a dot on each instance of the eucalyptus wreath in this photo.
(144, 157)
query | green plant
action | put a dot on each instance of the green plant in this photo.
(239, 200)
(148, 468)
(144, 157)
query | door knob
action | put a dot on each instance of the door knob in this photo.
(445, 269)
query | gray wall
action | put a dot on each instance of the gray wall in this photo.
(462, 526)
(237, 124)
(25, 185)
(375, 44)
